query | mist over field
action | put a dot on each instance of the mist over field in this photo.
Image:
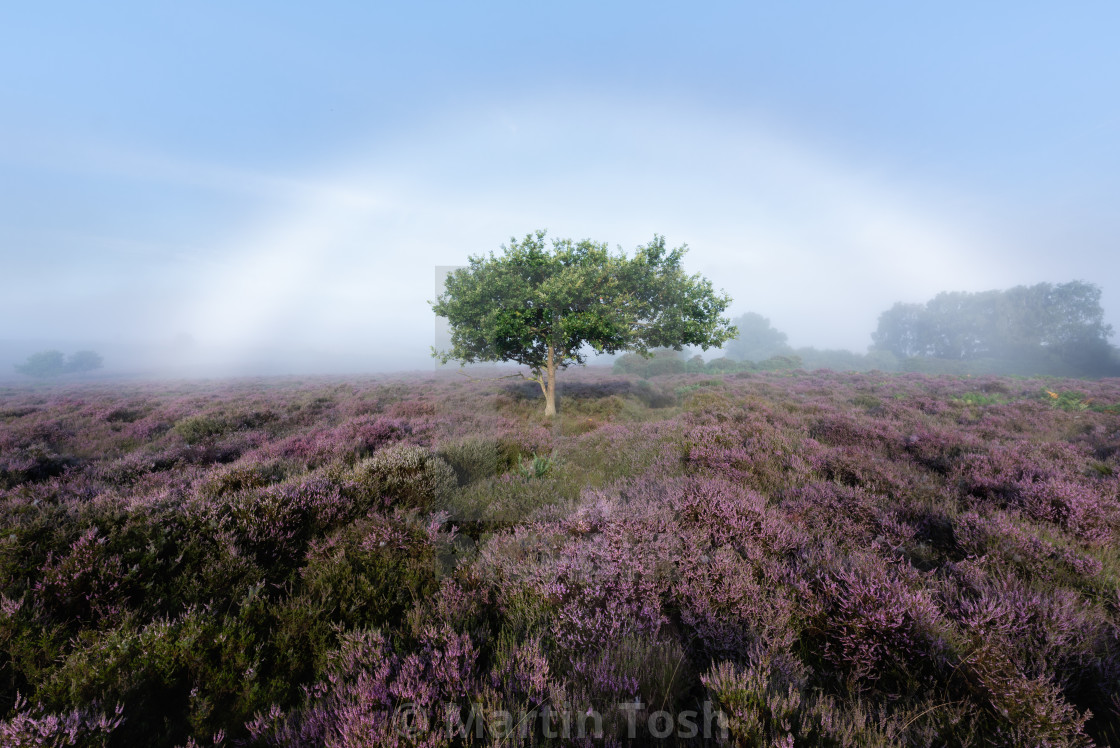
(213, 190)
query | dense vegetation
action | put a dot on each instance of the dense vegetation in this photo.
(829, 559)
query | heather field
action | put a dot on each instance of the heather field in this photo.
(783, 558)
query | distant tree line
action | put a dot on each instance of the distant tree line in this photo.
(46, 364)
(1045, 329)
(1041, 329)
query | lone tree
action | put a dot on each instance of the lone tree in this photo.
(544, 308)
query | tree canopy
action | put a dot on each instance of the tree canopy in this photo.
(544, 308)
(1061, 323)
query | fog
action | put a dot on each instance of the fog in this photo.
(271, 211)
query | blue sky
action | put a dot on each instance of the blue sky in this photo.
(277, 182)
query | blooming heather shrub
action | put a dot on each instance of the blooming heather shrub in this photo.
(123, 413)
(85, 583)
(733, 606)
(1063, 652)
(604, 591)
(276, 522)
(730, 514)
(147, 428)
(347, 442)
(995, 473)
(841, 430)
(1001, 537)
(1081, 509)
(755, 453)
(939, 449)
(412, 408)
(860, 467)
(520, 670)
(33, 727)
(356, 705)
(835, 511)
(1046, 485)
(1101, 440)
(1029, 710)
(761, 700)
(128, 470)
(875, 626)
(410, 475)
(35, 462)
(366, 434)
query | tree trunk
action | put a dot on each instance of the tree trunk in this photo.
(550, 388)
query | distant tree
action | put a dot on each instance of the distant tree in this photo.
(83, 361)
(46, 364)
(43, 365)
(757, 339)
(901, 330)
(543, 308)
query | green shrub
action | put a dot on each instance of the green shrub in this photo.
(192, 675)
(473, 458)
(368, 574)
(202, 428)
(410, 474)
(493, 504)
(195, 429)
(242, 476)
(708, 401)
